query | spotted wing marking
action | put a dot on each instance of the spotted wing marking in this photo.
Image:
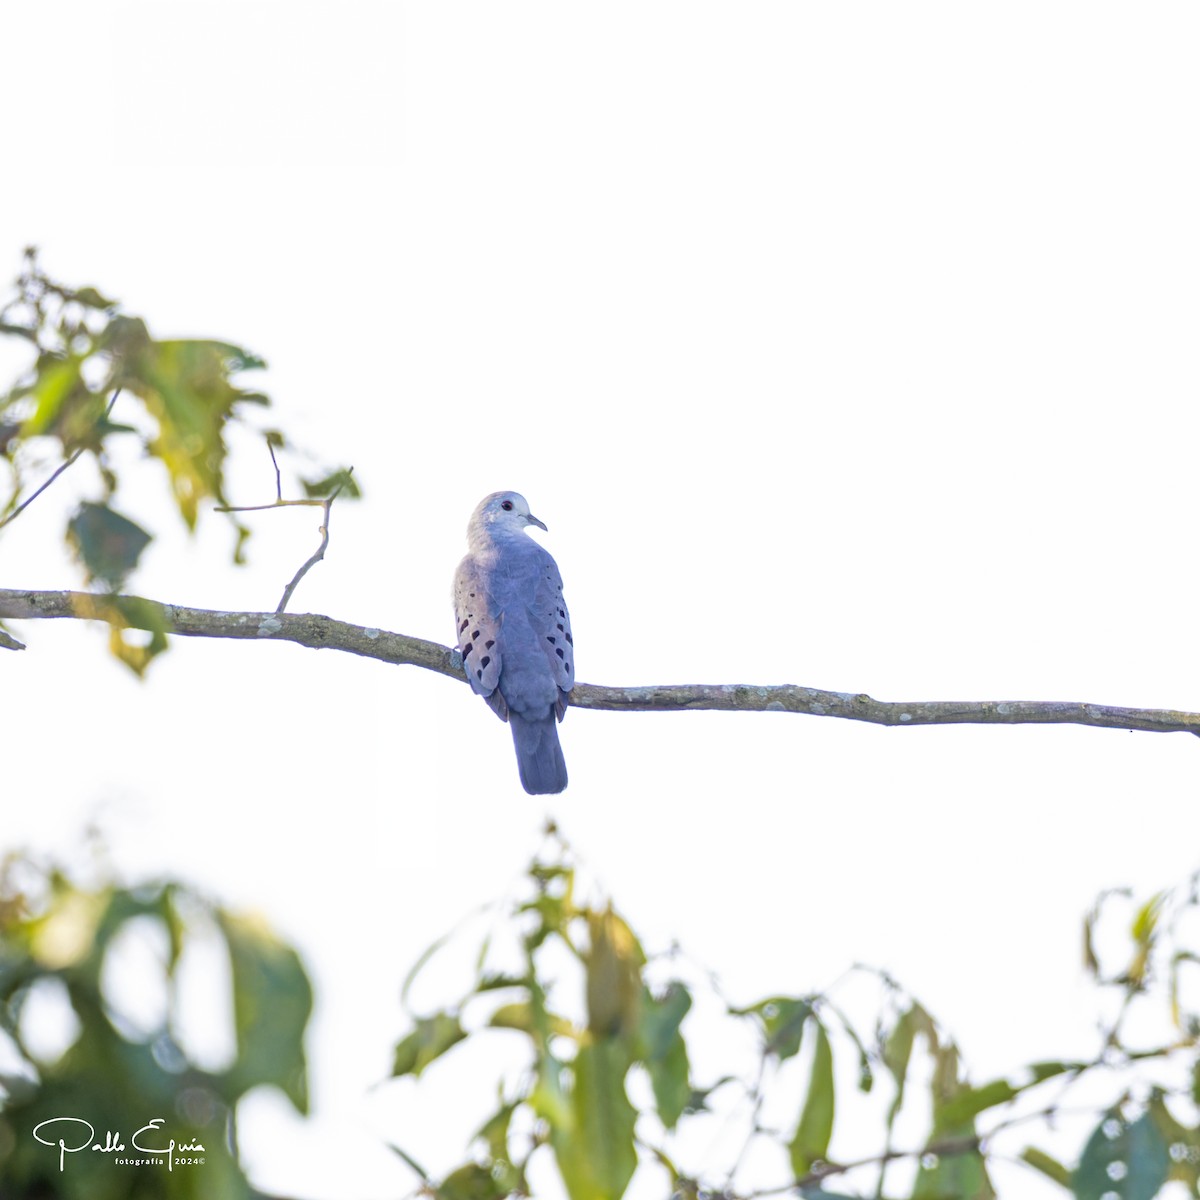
(550, 612)
(478, 636)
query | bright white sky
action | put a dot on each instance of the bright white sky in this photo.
(843, 345)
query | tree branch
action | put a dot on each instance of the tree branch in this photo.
(325, 633)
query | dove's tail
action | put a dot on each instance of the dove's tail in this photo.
(539, 756)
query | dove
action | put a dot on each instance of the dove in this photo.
(514, 634)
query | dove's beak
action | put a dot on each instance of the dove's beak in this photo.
(534, 521)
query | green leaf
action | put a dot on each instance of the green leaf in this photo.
(470, 1182)
(63, 406)
(422, 962)
(614, 963)
(517, 1015)
(661, 1019)
(958, 1169)
(1041, 1071)
(527, 1017)
(1122, 1159)
(554, 903)
(125, 613)
(782, 1019)
(810, 1142)
(1145, 925)
(92, 298)
(550, 1098)
(1090, 962)
(10, 432)
(595, 1150)
(962, 1103)
(341, 481)
(897, 1050)
(494, 1132)
(946, 1086)
(57, 388)
(187, 388)
(409, 1161)
(272, 1001)
(697, 1100)
(1179, 959)
(969, 1102)
(661, 1047)
(132, 612)
(1146, 920)
(164, 906)
(498, 981)
(1182, 1142)
(1039, 1160)
(108, 544)
(954, 1176)
(243, 534)
(431, 1039)
(677, 1181)
(866, 1071)
(669, 1079)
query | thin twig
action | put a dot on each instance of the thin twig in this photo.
(947, 1148)
(317, 555)
(278, 477)
(950, 1148)
(232, 508)
(10, 643)
(16, 512)
(756, 1096)
(279, 502)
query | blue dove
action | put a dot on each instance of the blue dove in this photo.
(514, 634)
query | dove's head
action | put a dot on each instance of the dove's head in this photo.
(503, 513)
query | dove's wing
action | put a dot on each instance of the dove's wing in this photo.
(549, 614)
(478, 634)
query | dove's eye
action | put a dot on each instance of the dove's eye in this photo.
(506, 505)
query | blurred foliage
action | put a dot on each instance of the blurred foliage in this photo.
(57, 939)
(582, 1100)
(97, 378)
(337, 483)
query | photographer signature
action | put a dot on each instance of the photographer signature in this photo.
(112, 1141)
